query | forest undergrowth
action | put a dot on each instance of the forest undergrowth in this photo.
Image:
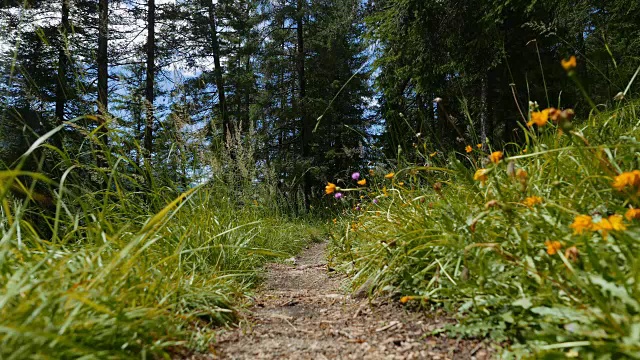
(534, 245)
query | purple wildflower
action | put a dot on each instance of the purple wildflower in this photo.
(338, 195)
(375, 201)
(355, 175)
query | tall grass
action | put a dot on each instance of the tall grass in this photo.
(501, 254)
(101, 263)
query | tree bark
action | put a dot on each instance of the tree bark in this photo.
(103, 71)
(215, 46)
(61, 86)
(483, 110)
(307, 127)
(150, 78)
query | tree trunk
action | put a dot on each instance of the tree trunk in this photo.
(247, 91)
(215, 46)
(483, 110)
(136, 113)
(306, 123)
(61, 86)
(248, 85)
(103, 71)
(150, 78)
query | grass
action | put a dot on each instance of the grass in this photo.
(507, 267)
(103, 265)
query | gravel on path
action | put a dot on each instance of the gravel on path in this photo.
(302, 312)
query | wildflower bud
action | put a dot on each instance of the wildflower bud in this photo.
(438, 187)
(521, 174)
(492, 204)
(464, 275)
(511, 169)
(572, 253)
(566, 125)
(568, 114)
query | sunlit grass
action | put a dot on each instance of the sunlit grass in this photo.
(101, 265)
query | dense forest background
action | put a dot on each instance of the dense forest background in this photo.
(155, 155)
(308, 90)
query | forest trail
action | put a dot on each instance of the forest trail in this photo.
(302, 312)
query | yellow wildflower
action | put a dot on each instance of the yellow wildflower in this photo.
(362, 182)
(496, 156)
(531, 201)
(330, 188)
(539, 118)
(433, 154)
(468, 149)
(614, 222)
(552, 247)
(479, 146)
(389, 175)
(371, 172)
(629, 178)
(524, 151)
(569, 64)
(632, 214)
(581, 223)
(480, 175)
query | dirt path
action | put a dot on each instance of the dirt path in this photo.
(303, 313)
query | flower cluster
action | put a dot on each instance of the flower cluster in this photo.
(542, 117)
(361, 181)
(584, 223)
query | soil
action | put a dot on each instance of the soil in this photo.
(303, 312)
